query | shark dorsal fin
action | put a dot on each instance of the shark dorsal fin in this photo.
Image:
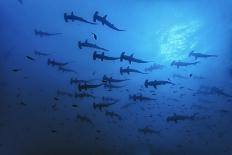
(72, 14)
(103, 53)
(105, 17)
(128, 67)
(174, 114)
(86, 41)
(132, 55)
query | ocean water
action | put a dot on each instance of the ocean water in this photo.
(174, 99)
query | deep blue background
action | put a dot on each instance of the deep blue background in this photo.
(160, 31)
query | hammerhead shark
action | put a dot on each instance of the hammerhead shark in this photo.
(63, 69)
(153, 67)
(109, 99)
(100, 106)
(84, 119)
(84, 95)
(175, 117)
(90, 45)
(102, 56)
(128, 70)
(140, 98)
(41, 53)
(86, 86)
(183, 64)
(73, 17)
(113, 115)
(200, 55)
(155, 83)
(131, 58)
(112, 80)
(104, 21)
(56, 63)
(43, 34)
(148, 130)
(110, 86)
(78, 81)
(219, 92)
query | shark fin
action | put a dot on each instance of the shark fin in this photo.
(72, 14)
(105, 17)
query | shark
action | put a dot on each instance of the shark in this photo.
(129, 70)
(200, 55)
(153, 67)
(41, 53)
(147, 130)
(102, 56)
(155, 83)
(110, 86)
(113, 115)
(90, 45)
(107, 79)
(183, 64)
(100, 106)
(109, 99)
(104, 21)
(63, 69)
(73, 18)
(43, 34)
(179, 76)
(86, 86)
(84, 119)
(84, 95)
(78, 81)
(175, 117)
(140, 98)
(131, 58)
(56, 63)
(219, 92)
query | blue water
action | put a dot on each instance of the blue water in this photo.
(35, 119)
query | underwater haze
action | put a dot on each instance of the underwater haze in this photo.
(122, 77)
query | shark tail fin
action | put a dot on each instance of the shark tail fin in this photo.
(49, 62)
(79, 45)
(196, 62)
(191, 53)
(146, 83)
(121, 71)
(79, 87)
(102, 55)
(94, 55)
(122, 56)
(65, 17)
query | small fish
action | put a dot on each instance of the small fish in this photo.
(94, 36)
(16, 70)
(56, 99)
(190, 75)
(74, 105)
(30, 58)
